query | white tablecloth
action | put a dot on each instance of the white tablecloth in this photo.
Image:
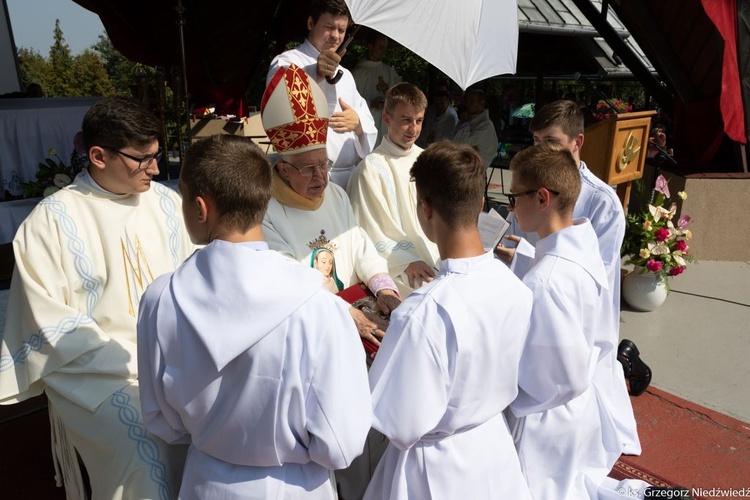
(29, 127)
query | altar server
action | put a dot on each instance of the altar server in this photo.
(448, 365)
(561, 122)
(83, 258)
(243, 353)
(565, 429)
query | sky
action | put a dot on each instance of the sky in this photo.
(33, 22)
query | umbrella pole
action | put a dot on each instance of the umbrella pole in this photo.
(183, 64)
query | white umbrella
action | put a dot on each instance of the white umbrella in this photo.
(468, 40)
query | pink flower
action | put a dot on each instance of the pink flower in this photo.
(653, 266)
(684, 221)
(680, 245)
(676, 270)
(662, 185)
(661, 234)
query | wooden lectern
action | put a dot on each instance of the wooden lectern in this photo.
(615, 150)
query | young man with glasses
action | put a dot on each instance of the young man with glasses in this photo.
(561, 122)
(83, 257)
(566, 432)
(307, 214)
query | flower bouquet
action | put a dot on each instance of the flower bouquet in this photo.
(653, 242)
(54, 175)
(604, 111)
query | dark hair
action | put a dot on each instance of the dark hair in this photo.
(564, 113)
(333, 7)
(551, 166)
(406, 93)
(451, 178)
(117, 122)
(477, 92)
(234, 173)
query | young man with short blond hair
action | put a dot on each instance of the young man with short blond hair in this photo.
(383, 195)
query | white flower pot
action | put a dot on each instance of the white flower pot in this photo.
(642, 292)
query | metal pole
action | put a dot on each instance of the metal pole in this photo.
(183, 63)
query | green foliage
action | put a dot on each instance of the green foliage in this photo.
(61, 63)
(98, 71)
(53, 175)
(34, 68)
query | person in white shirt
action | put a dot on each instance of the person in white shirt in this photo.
(565, 429)
(83, 258)
(561, 122)
(374, 77)
(383, 195)
(243, 353)
(448, 365)
(478, 131)
(441, 120)
(352, 131)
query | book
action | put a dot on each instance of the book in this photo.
(492, 228)
(360, 297)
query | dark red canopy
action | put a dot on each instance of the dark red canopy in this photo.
(225, 40)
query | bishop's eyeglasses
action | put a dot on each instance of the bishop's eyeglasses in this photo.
(324, 166)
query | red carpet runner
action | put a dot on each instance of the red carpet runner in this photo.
(688, 445)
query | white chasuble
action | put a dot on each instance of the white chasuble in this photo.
(565, 430)
(446, 370)
(311, 236)
(384, 200)
(83, 258)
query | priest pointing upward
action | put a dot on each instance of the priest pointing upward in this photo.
(352, 131)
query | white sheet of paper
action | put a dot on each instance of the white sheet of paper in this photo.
(492, 227)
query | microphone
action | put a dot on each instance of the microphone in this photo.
(590, 85)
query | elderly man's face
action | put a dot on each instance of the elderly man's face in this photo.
(311, 187)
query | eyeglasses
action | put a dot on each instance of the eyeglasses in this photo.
(324, 166)
(512, 198)
(144, 162)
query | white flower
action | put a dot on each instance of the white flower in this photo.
(658, 248)
(49, 190)
(61, 180)
(682, 194)
(647, 225)
(644, 253)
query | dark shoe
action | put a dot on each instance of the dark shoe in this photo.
(636, 371)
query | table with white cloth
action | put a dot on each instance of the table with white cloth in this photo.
(29, 127)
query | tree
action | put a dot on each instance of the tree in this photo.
(91, 78)
(61, 82)
(34, 68)
(122, 71)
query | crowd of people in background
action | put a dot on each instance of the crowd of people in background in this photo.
(202, 345)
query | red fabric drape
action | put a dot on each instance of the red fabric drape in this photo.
(723, 13)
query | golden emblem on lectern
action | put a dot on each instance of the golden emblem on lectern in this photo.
(629, 152)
